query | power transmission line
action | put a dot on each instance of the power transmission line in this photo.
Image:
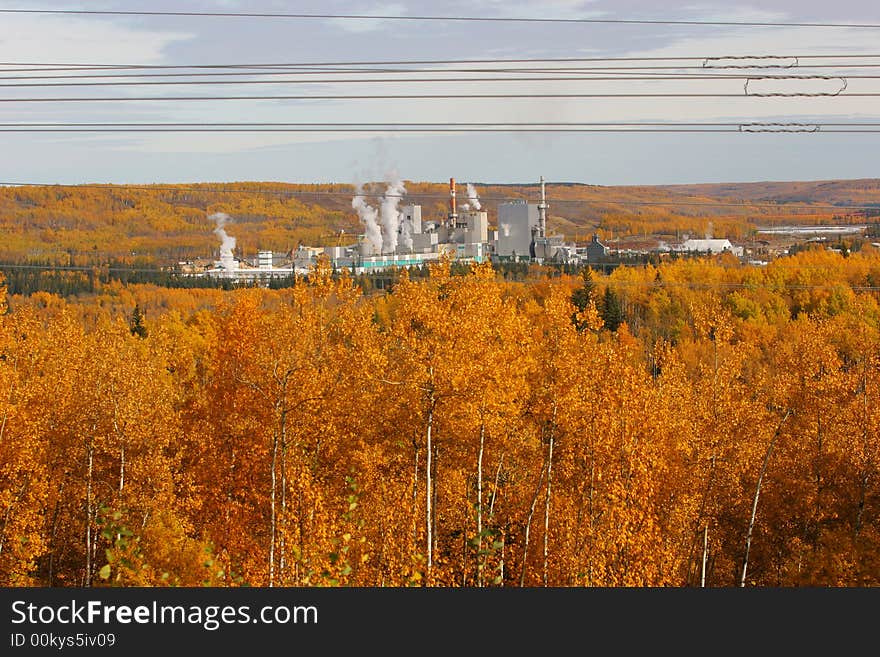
(410, 62)
(357, 97)
(478, 19)
(62, 73)
(481, 80)
(325, 70)
(446, 127)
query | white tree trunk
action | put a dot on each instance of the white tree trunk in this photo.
(87, 576)
(480, 506)
(273, 493)
(767, 455)
(429, 489)
(705, 554)
(547, 504)
(522, 570)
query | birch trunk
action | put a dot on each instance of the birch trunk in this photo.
(273, 489)
(522, 570)
(705, 553)
(767, 455)
(480, 506)
(429, 489)
(547, 505)
(87, 576)
(549, 491)
(282, 539)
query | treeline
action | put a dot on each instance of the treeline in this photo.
(26, 279)
(29, 278)
(691, 423)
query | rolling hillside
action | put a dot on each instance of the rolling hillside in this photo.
(865, 191)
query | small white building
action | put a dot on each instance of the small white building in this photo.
(264, 259)
(710, 246)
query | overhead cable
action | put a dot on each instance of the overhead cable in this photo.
(477, 19)
(440, 127)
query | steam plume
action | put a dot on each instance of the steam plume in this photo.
(473, 199)
(383, 226)
(368, 216)
(390, 213)
(227, 242)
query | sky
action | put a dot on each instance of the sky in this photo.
(603, 159)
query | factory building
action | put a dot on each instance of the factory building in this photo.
(266, 265)
(423, 238)
(516, 221)
(305, 256)
(243, 271)
(411, 220)
(522, 234)
(714, 246)
(595, 250)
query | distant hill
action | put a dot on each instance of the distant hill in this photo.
(865, 191)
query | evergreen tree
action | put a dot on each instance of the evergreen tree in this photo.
(612, 311)
(584, 294)
(582, 297)
(136, 324)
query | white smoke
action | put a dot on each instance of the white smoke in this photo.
(390, 212)
(406, 229)
(709, 231)
(368, 216)
(383, 226)
(227, 242)
(473, 199)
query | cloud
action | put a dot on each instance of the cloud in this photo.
(563, 9)
(47, 38)
(361, 26)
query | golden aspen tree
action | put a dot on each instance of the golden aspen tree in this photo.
(23, 486)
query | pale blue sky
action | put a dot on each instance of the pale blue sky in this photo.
(597, 159)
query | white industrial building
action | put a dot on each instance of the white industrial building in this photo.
(714, 246)
(516, 222)
(261, 268)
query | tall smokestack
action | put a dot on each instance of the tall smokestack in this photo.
(542, 212)
(453, 212)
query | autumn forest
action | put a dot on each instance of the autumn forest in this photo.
(695, 422)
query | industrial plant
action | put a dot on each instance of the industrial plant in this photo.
(398, 236)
